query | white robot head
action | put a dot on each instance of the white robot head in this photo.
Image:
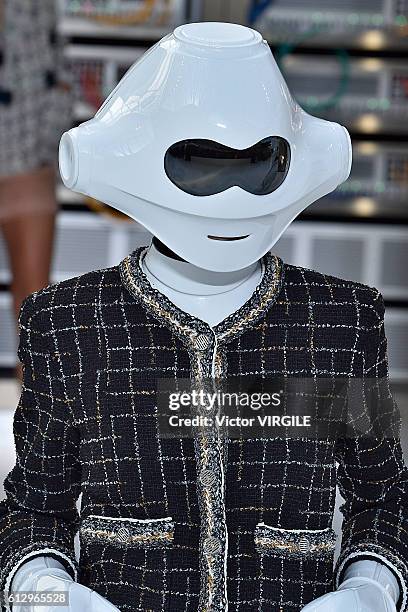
(202, 143)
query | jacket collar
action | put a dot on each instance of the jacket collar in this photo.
(189, 327)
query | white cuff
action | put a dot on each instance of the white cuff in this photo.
(30, 555)
(368, 552)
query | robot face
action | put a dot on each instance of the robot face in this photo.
(202, 143)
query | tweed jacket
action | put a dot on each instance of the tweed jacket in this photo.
(195, 524)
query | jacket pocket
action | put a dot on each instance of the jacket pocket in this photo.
(295, 543)
(127, 532)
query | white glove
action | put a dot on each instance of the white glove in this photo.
(45, 574)
(368, 587)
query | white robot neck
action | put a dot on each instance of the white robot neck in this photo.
(210, 296)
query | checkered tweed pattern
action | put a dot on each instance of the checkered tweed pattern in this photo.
(34, 110)
(165, 526)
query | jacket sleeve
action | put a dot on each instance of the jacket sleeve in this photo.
(39, 515)
(373, 478)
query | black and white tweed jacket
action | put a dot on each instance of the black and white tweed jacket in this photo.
(205, 524)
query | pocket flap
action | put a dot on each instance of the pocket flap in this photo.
(296, 543)
(146, 533)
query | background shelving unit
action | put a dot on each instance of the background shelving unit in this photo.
(361, 25)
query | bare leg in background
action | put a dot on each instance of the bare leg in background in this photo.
(28, 232)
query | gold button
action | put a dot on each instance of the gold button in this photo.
(208, 478)
(211, 546)
(123, 534)
(304, 545)
(202, 342)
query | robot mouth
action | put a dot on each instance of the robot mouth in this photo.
(228, 238)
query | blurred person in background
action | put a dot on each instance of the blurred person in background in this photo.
(34, 111)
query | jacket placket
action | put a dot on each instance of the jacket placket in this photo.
(211, 453)
(208, 367)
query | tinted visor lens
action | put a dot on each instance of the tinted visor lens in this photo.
(205, 167)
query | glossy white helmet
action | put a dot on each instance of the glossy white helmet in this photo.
(202, 143)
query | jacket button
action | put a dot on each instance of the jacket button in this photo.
(202, 342)
(211, 546)
(123, 534)
(304, 545)
(208, 478)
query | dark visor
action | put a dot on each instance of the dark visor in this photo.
(205, 167)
